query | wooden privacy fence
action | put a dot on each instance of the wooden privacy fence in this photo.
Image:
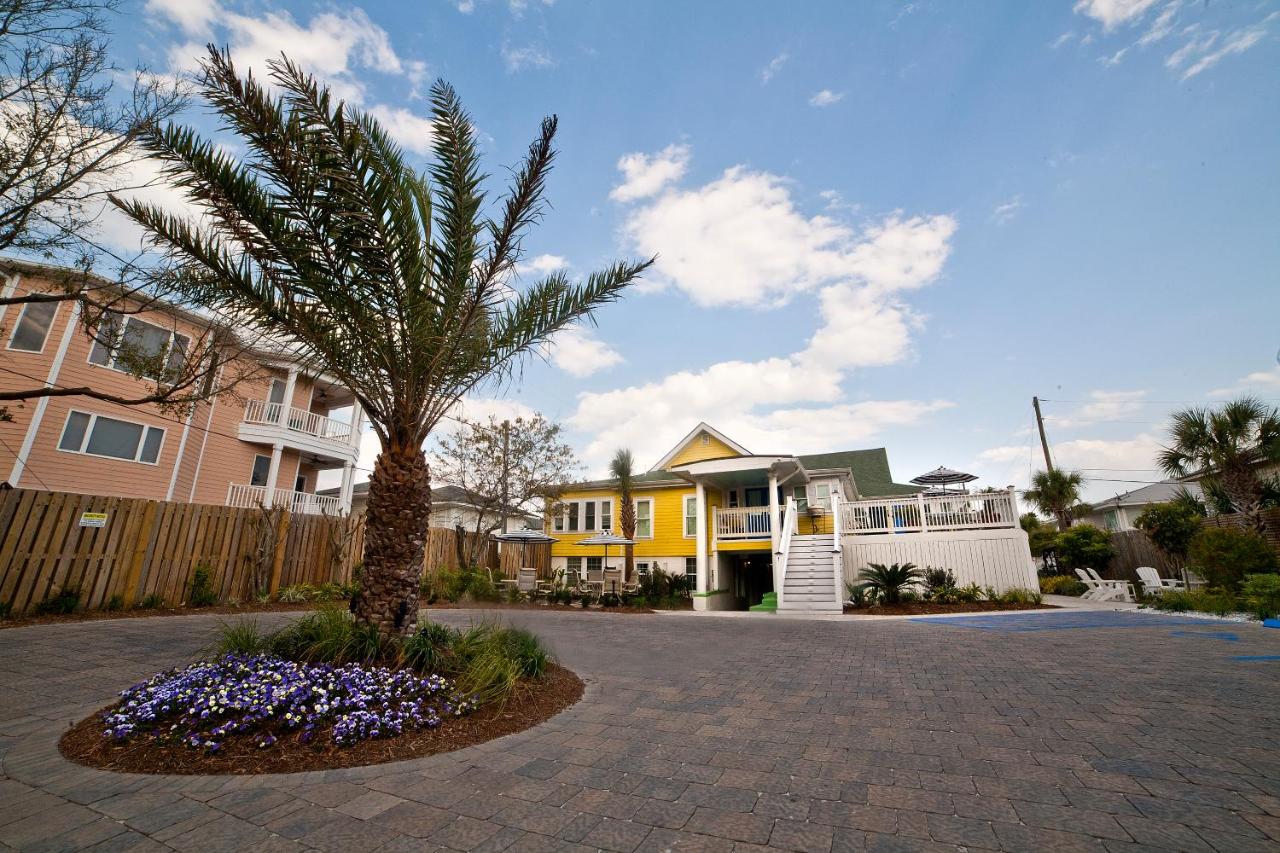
(124, 550)
(1238, 521)
(1133, 548)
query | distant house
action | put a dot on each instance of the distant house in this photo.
(1120, 512)
(267, 443)
(450, 506)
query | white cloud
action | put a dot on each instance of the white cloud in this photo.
(1102, 406)
(645, 175)
(1236, 43)
(542, 265)
(1129, 459)
(1006, 211)
(1061, 40)
(413, 132)
(580, 353)
(775, 65)
(1263, 382)
(740, 240)
(1113, 13)
(336, 46)
(825, 98)
(526, 56)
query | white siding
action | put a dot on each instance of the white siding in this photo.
(999, 558)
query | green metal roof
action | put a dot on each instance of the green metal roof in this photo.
(870, 471)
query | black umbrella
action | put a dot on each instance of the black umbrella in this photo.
(524, 537)
(943, 477)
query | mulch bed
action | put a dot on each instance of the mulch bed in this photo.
(95, 615)
(560, 608)
(924, 608)
(533, 702)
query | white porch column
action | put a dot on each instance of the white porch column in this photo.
(273, 474)
(348, 483)
(774, 527)
(700, 539)
(357, 424)
(289, 385)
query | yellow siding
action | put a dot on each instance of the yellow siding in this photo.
(695, 451)
(668, 525)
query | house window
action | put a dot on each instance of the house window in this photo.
(261, 470)
(589, 515)
(594, 564)
(95, 435)
(300, 484)
(606, 515)
(690, 516)
(691, 571)
(802, 498)
(119, 340)
(572, 509)
(644, 518)
(822, 495)
(557, 520)
(573, 566)
(1109, 519)
(32, 328)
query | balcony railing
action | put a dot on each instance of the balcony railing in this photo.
(297, 420)
(246, 497)
(742, 522)
(920, 514)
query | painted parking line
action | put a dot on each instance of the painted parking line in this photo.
(1058, 621)
(1255, 657)
(1225, 636)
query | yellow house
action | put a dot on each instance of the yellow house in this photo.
(713, 510)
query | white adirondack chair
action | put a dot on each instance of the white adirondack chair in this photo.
(1104, 590)
(1153, 584)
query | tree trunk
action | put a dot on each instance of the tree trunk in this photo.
(1245, 493)
(397, 524)
(627, 515)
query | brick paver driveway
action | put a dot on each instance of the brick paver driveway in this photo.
(716, 734)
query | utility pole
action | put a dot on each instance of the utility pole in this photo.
(506, 471)
(1044, 442)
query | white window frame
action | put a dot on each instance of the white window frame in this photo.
(820, 500)
(601, 514)
(254, 465)
(686, 517)
(112, 354)
(691, 562)
(801, 495)
(88, 433)
(636, 504)
(48, 332)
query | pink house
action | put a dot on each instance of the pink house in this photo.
(264, 442)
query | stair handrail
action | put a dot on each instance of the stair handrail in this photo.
(784, 548)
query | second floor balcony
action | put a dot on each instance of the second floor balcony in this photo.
(268, 422)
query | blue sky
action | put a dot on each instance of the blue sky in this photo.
(878, 223)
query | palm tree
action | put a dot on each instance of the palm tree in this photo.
(889, 582)
(622, 469)
(392, 280)
(1055, 493)
(1229, 446)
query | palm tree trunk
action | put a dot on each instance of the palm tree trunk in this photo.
(1243, 491)
(627, 515)
(397, 523)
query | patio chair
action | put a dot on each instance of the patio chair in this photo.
(1153, 584)
(527, 582)
(612, 580)
(594, 584)
(1101, 589)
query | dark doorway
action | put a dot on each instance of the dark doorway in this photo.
(756, 497)
(752, 578)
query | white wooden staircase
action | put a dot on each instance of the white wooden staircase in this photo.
(808, 570)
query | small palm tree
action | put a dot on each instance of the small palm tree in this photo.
(1055, 493)
(394, 281)
(622, 469)
(889, 582)
(1229, 446)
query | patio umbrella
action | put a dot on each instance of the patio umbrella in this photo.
(524, 537)
(943, 477)
(606, 539)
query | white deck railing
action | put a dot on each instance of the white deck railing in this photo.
(247, 497)
(742, 522)
(920, 514)
(298, 420)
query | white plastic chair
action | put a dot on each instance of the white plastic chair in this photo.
(1104, 590)
(1153, 584)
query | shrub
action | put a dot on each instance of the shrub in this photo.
(6, 609)
(1262, 595)
(968, 594)
(1218, 602)
(859, 595)
(1062, 585)
(64, 602)
(1171, 527)
(242, 637)
(1084, 546)
(115, 602)
(293, 594)
(889, 584)
(611, 599)
(202, 591)
(329, 635)
(514, 595)
(151, 601)
(1019, 595)
(563, 596)
(936, 579)
(428, 649)
(1224, 555)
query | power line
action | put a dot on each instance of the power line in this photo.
(26, 466)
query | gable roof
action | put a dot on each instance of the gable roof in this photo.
(680, 445)
(1152, 494)
(870, 469)
(439, 495)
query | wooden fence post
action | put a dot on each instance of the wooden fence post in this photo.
(143, 539)
(277, 560)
